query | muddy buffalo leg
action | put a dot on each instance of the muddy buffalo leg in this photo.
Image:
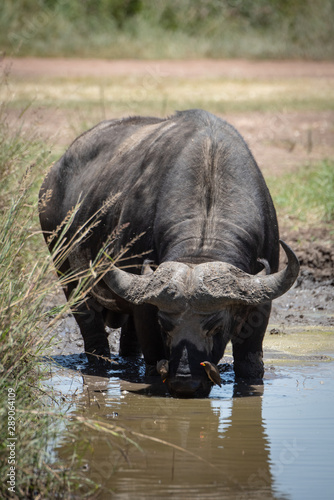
(247, 345)
(149, 336)
(91, 324)
(89, 317)
(128, 344)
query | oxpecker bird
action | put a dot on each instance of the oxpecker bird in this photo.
(162, 368)
(212, 372)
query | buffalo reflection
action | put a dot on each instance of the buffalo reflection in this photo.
(226, 448)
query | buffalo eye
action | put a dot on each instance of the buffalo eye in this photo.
(213, 331)
(212, 325)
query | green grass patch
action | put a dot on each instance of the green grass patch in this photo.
(307, 194)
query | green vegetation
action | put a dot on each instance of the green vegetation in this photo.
(172, 29)
(21, 336)
(307, 194)
(24, 273)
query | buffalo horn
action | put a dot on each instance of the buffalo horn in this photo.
(164, 287)
(208, 286)
(218, 283)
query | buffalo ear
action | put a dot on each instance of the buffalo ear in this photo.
(265, 267)
(146, 269)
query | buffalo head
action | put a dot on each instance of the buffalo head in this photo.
(200, 307)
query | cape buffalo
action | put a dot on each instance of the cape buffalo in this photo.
(191, 200)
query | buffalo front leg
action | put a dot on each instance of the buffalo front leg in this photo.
(89, 317)
(128, 344)
(149, 336)
(247, 344)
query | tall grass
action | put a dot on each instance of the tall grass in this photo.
(20, 344)
(308, 194)
(27, 318)
(173, 29)
(24, 288)
(27, 283)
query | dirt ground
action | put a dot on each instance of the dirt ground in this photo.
(233, 68)
(280, 142)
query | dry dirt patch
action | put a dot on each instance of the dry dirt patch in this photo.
(280, 140)
(234, 68)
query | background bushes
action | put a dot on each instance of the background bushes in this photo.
(168, 29)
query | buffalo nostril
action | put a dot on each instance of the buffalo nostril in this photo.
(183, 371)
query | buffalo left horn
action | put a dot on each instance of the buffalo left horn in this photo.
(218, 283)
(164, 286)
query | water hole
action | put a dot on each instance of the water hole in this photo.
(270, 441)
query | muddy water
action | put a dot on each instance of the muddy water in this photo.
(274, 441)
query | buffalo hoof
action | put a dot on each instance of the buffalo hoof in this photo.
(99, 360)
